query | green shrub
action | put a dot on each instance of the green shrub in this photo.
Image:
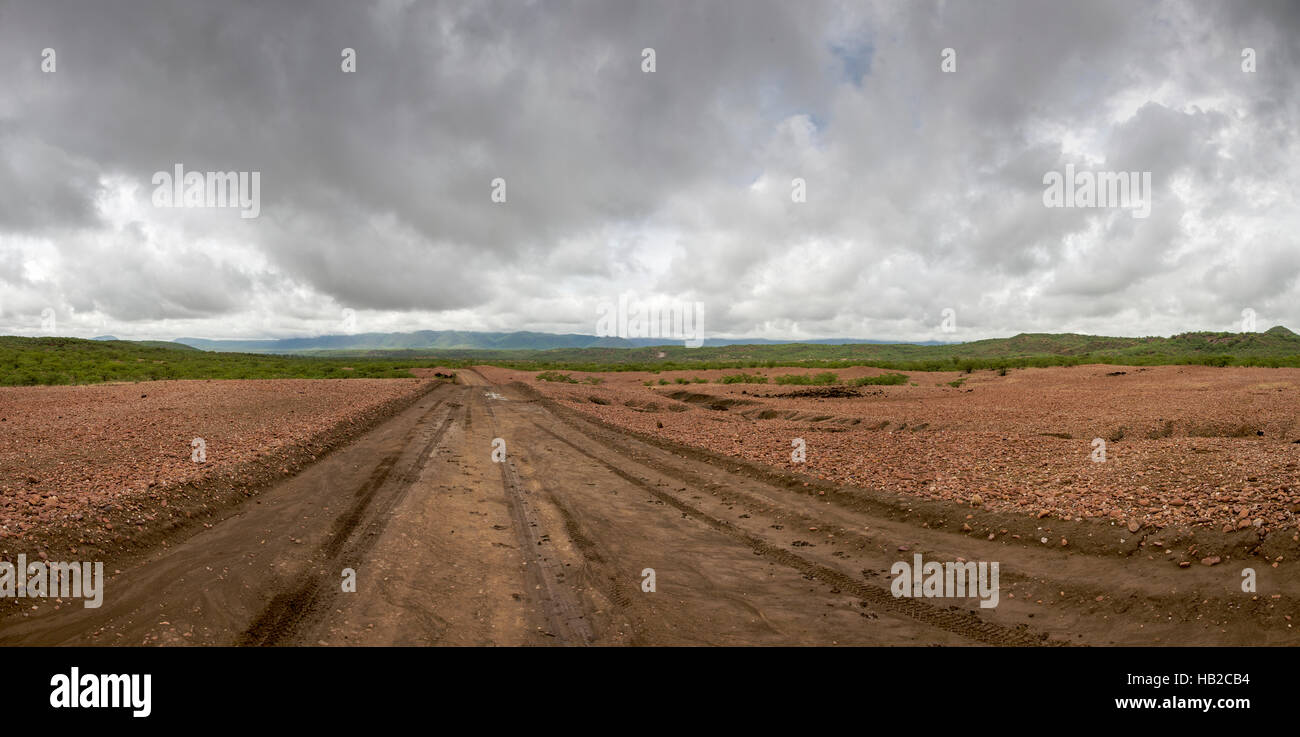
(822, 379)
(743, 378)
(556, 376)
(881, 380)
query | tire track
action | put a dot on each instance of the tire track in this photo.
(613, 587)
(959, 622)
(287, 611)
(568, 623)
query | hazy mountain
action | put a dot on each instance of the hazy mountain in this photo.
(469, 340)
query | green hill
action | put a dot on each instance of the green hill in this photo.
(1276, 347)
(32, 361)
(29, 361)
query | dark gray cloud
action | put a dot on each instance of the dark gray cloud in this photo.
(924, 187)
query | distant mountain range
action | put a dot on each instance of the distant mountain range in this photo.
(424, 340)
(60, 360)
(1277, 342)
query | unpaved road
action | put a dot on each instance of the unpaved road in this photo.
(551, 546)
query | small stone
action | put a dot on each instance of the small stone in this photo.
(1213, 560)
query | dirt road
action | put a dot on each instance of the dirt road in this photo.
(553, 546)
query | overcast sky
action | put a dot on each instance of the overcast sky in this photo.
(924, 188)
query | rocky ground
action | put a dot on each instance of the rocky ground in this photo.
(1184, 445)
(552, 541)
(99, 466)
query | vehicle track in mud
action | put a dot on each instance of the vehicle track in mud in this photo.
(1099, 598)
(963, 624)
(287, 610)
(563, 612)
(553, 546)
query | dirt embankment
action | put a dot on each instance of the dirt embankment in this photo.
(106, 469)
(1188, 451)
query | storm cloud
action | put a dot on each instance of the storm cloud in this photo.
(924, 187)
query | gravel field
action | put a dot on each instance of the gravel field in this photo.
(1188, 446)
(99, 465)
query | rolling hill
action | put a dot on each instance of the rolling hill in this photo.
(27, 361)
(36, 361)
(441, 340)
